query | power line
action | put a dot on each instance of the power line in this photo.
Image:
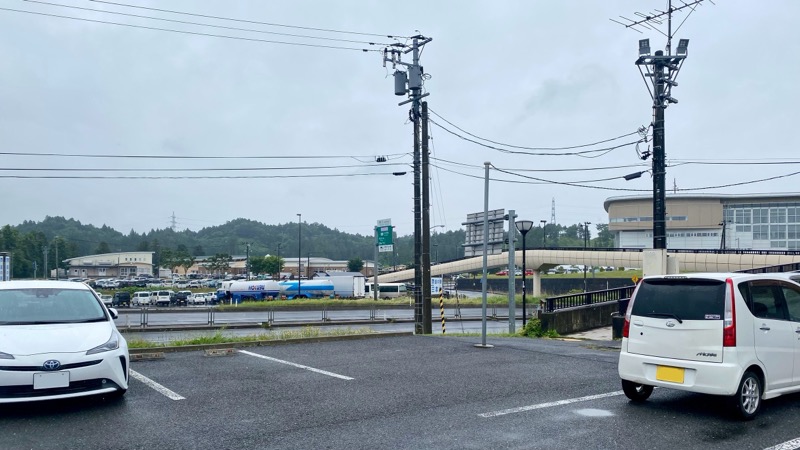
(326, 30)
(195, 33)
(107, 155)
(730, 163)
(303, 36)
(215, 177)
(531, 148)
(761, 180)
(582, 153)
(584, 169)
(199, 169)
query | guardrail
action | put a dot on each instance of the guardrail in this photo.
(552, 304)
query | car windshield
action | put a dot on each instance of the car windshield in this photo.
(47, 306)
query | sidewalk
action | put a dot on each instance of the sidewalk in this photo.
(597, 334)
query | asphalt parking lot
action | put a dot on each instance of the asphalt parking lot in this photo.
(393, 392)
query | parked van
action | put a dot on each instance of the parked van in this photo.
(141, 298)
(733, 335)
(386, 290)
(163, 298)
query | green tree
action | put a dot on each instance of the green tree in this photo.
(273, 265)
(102, 248)
(219, 263)
(355, 264)
(605, 238)
(258, 264)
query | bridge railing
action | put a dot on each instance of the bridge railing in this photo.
(588, 298)
(790, 267)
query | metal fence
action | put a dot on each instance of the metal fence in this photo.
(587, 298)
(790, 267)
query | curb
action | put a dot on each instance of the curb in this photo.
(192, 348)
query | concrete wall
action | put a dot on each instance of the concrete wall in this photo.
(582, 318)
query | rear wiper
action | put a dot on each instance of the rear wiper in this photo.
(664, 315)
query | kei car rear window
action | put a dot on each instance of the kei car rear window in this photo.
(687, 299)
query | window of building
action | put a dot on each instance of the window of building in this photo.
(742, 216)
(777, 232)
(777, 215)
(793, 232)
(760, 232)
(791, 215)
(777, 244)
(678, 218)
(743, 228)
(760, 215)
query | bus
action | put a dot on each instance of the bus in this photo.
(386, 290)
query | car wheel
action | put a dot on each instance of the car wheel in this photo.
(636, 392)
(748, 397)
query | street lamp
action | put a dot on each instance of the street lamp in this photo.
(585, 244)
(544, 233)
(299, 254)
(523, 226)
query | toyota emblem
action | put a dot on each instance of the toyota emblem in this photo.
(51, 364)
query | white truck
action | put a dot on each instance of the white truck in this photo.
(345, 284)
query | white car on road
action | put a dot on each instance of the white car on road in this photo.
(734, 335)
(58, 341)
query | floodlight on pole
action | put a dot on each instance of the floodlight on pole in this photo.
(523, 226)
(682, 49)
(644, 47)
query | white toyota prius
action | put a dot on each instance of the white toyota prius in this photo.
(58, 340)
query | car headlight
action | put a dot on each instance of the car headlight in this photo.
(111, 344)
(6, 356)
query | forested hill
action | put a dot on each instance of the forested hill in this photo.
(28, 241)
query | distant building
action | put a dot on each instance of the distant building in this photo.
(709, 221)
(106, 265)
(307, 268)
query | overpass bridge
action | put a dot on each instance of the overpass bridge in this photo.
(543, 259)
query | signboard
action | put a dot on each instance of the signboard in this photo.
(5, 267)
(383, 233)
(474, 234)
(436, 286)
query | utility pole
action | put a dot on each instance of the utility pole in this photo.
(410, 83)
(45, 251)
(427, 326)
(661, 69)
(247, 265)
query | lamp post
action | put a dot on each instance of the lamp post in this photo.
(544, 233)
(585, 244)
(299, 254)
(524, 226)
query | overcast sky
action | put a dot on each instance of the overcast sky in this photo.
(529, 73)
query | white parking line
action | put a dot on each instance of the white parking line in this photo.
(166, 392)
(788, 445)
(550, 404)
(323, 372)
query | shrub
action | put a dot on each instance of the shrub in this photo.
(533, 328)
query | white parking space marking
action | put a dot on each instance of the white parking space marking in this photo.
(788, 445)
(323, 372)
(550, 404)
(166, 392)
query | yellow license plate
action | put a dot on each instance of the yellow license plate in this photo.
(671, 374)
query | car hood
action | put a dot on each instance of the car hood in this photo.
(56, 338)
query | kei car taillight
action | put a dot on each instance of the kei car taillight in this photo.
(729, 320)
(626, 327)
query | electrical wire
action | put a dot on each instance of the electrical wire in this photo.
(303, 36)
(200, 169)
(679, 162)
(586, 169)
(326, 30)
(531, 148)
(582, 153)
(195, 33)
(741, 183)
(215, 177)
(106, 155)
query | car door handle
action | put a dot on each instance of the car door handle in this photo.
(764, 327)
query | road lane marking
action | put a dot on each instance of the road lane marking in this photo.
(161, 389)
(549, 404)
(323, 372)
(788, 445)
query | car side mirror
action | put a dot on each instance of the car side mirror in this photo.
(114, 314)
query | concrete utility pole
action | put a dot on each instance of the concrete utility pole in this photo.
(410, 83)
(247, 265)
(427, 326)
(661, 69)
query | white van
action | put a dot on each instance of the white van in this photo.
(386, 290)
(723, 334)
(141, 298)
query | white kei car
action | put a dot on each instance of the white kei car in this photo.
(728, 334)
(58, 341)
